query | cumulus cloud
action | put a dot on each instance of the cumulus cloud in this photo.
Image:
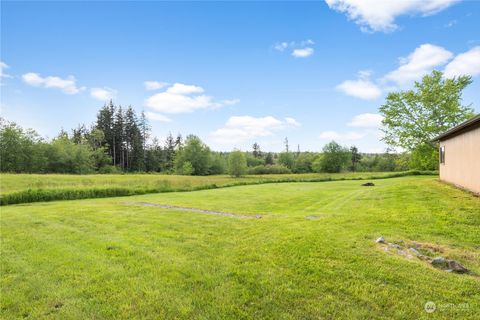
(467, 63)
(303, 53)
(103, 94)
(380, 15)
(243, 128)
(367, 133)
(154, 85)
(361, 88)
(417, 64)
(182, 98)
(157, 117)
(67, 85)
(421, 61)
(366, 120)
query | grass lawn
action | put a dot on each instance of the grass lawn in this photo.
(25, 188)
(113, 258)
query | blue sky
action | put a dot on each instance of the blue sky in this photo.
(232, 72)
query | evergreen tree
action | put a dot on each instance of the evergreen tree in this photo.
(286, 145)
(356, 157)
(169, 152)
(256, 150)
(105, 123)
(269, 159)
(119, 138)
(154, 157)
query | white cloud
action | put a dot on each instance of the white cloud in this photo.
(182, 98)
(348, 136)
(180, 88)
(157, 117)
(361, 88)
(67, 85)
(243, 128)
(464, 63)
(366, 120)
(281, 46)
(422, 60)
(380, 15)
(4, 66)
(230, 102)
(301, 49)
(103, 94)
(154, 85)
(292, 122)
(303, 53)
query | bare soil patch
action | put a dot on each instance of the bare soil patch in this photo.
(211, 212)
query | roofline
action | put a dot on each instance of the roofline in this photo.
(462, 126)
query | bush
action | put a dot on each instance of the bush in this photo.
(186, 169)
(237, 164)
(269, 169)
(253, 162)
(109, 169)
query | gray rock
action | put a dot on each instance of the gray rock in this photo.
(381, 240)
(414, 251)
(396, 246)
(439, 262)
(454, 266)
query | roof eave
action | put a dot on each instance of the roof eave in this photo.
(461, 126)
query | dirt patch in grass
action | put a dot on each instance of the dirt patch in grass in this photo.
(211, 212)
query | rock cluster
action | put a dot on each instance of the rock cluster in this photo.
(410, 252)
(448, 265)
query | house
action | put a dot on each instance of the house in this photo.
(460, 155)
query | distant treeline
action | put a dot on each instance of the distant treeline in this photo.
(119, 141)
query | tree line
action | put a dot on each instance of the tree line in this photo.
(119, 141)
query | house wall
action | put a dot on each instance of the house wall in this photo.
(462, 160)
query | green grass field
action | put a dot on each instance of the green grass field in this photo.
(115, 258)
(25, 188)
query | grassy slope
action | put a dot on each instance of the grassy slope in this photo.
(24, 188)
(102, 258)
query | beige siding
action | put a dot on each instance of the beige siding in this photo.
(462, 160)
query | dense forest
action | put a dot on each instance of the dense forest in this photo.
(119, 141)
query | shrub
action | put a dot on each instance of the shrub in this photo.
(186, 169)
(237, 163)
(269, 169)
(109, 169)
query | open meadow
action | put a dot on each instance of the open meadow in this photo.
(25, 188)
(303, 250)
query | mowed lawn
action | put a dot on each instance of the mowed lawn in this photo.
(115, 258)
